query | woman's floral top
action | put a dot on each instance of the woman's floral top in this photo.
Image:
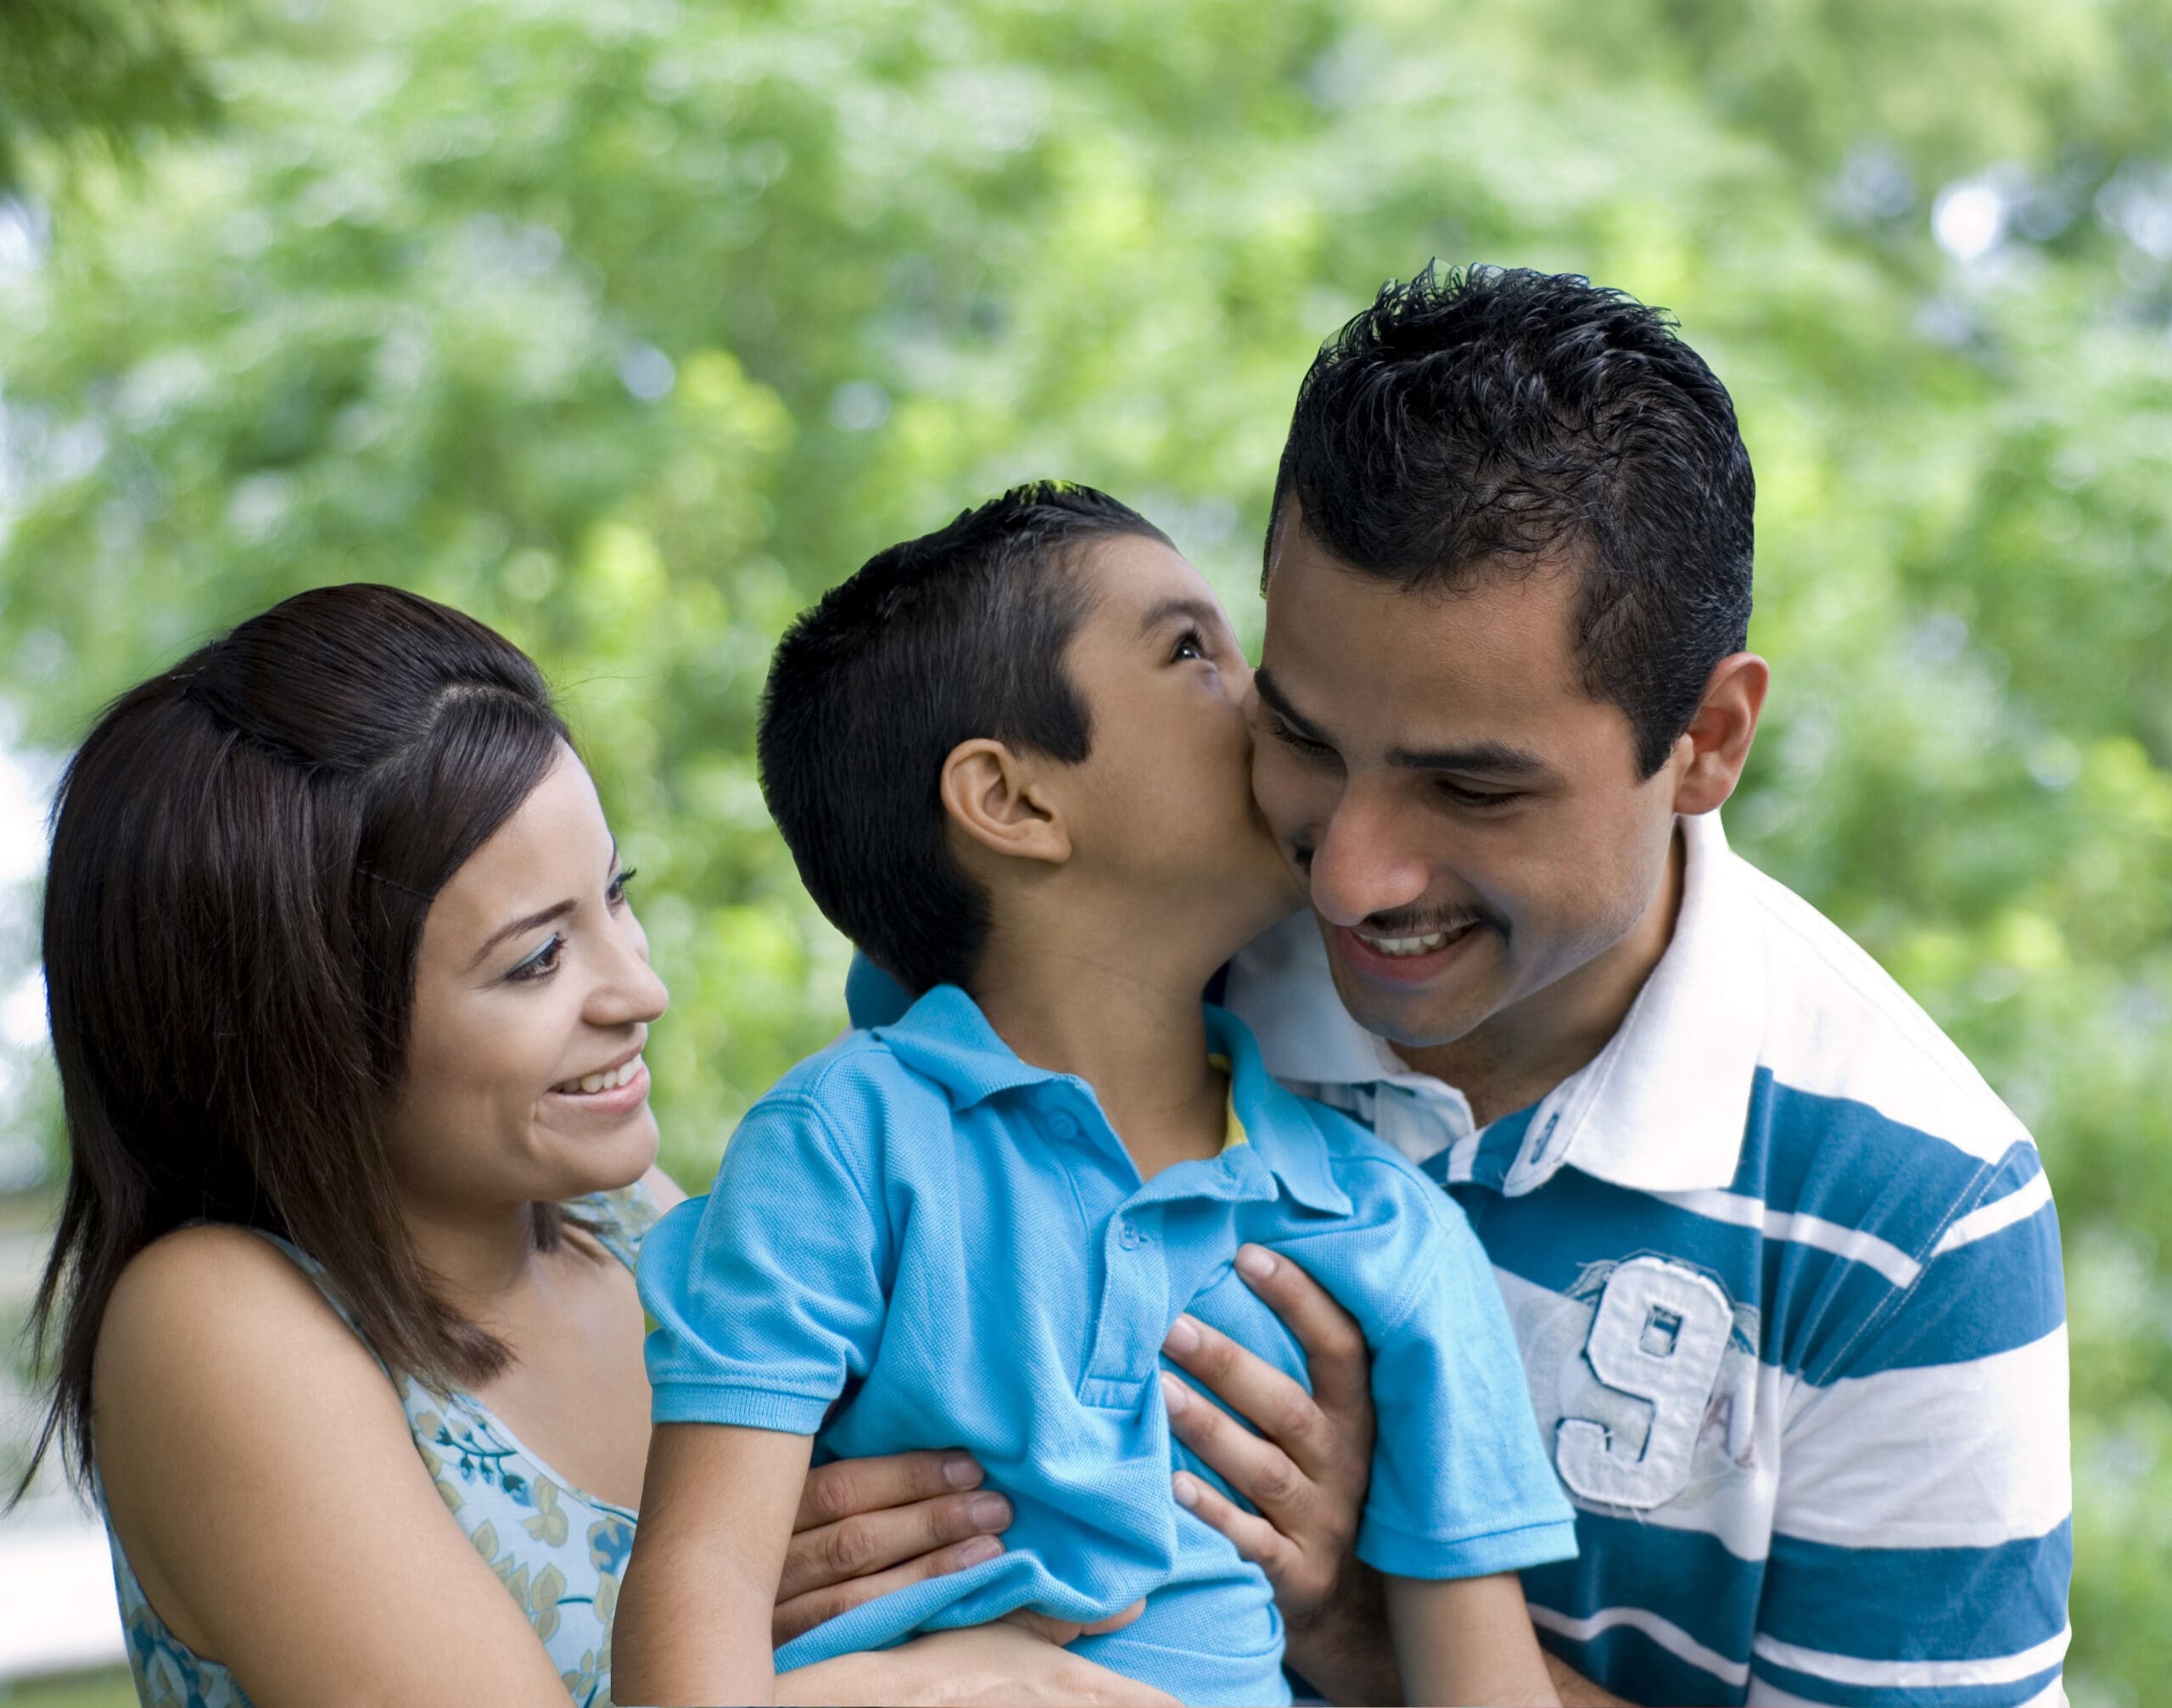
(559, 1552)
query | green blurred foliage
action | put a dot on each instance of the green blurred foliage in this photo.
(630, 325)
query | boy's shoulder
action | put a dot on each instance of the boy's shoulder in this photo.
(859, 1091)
(1385, 1189)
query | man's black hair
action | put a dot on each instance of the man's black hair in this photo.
(959, 634)
(1468, 418)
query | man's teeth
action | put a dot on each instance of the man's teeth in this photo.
(592, 1083)
(1411, 945)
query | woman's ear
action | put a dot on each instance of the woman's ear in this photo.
(998, 800)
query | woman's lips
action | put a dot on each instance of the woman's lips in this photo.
(620, 1099)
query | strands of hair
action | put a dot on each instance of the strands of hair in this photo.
(1482, 423)
(243, 853)
(957, 633)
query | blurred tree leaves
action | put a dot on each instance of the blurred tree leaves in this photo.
(82, 76)
(630, 325)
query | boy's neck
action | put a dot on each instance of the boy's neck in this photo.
(1133, 1028)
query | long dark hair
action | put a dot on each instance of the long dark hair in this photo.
(243, 852)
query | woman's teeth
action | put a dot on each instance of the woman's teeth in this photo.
(590, 1084)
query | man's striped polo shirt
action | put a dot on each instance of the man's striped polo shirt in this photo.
(1785, 1276)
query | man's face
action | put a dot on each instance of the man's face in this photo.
(1468, 822)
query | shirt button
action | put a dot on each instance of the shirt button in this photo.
(1063, 1126)
(1127, 1233)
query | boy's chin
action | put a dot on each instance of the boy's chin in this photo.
(1267, 902)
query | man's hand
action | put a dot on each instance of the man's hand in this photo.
(1002, 1664)
(869, 1525)
(1306, 1471)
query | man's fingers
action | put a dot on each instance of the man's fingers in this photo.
(1255, 1467)
(872, 1542)
(802, 1613)
(1115, 1621)
(1334, 1344)
(1278, 1406)
(1256, 1539)
(852, 1486)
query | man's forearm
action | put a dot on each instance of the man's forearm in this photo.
(1346, 1653)
(1578, 1691)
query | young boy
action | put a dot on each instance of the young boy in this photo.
(1010, 759)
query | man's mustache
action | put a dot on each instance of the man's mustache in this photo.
(1416, 920)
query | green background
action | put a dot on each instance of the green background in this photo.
(630, 325)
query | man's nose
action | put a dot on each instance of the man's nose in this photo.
(1367, 860)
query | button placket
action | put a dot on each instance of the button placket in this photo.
(1129, 1328)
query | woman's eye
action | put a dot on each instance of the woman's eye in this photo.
(617, 891)
(541, 964)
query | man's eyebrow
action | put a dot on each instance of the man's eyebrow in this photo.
(529, 921)
(1199, 611)
(1492, 759)
(1495, 758)
(1279, 702)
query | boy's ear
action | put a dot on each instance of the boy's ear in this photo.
(997, 799)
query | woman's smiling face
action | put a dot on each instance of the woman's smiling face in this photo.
(533, 998)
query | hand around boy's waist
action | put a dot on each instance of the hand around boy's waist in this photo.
(871, 1525)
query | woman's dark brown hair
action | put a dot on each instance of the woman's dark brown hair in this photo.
(243, 851)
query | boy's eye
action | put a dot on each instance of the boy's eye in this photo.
(541, 964)
(1191, 644)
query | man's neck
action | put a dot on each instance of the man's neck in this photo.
(1522, 1053)
(1131, 1026)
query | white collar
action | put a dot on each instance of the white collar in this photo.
(1661, 1108)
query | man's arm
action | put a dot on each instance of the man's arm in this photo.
(1306, 1471)
(694, 1615)
(1922, 1539)
(1576, 1691)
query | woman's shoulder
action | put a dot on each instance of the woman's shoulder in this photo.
(213, 1286)
(206, 1328)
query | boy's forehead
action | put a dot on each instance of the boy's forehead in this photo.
(1130, 574)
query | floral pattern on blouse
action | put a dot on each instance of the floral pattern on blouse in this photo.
(559, 1552)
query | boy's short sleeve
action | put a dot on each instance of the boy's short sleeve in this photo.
(1462, 1486)
(767, 1294)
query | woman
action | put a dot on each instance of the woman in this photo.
(348, 1003)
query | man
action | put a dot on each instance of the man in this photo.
(1783, 1271)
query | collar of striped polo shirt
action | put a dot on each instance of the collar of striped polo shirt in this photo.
(1661, 1108)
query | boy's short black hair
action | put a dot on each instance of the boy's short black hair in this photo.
(1470, 416)
(959, 634)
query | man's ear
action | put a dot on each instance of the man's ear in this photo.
(1000, 800)
(1720, 735)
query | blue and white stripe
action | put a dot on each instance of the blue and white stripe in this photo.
(1785, 1276)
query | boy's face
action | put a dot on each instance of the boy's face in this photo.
(1162, 807)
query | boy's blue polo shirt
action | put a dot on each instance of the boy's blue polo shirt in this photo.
(958, 1243)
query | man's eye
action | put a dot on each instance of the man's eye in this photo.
(541, 964)
(1303, 744)
(617, 891)
(1480, 799)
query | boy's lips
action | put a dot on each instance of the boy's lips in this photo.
(1406, 960)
